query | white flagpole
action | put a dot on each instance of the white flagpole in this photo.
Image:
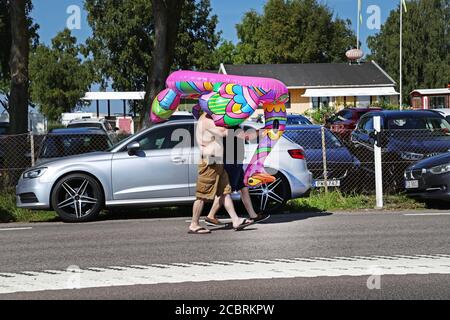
(401, 54)
(357, 19)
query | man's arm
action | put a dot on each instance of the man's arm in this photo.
(218, 131)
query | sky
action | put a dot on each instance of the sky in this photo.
(52, 17)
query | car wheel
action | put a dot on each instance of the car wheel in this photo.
(272, 197)
(77, 198)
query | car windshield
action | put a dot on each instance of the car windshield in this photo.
(61, 146)
(298, 121)
(85, 125)
(312, 139)
(415, 123)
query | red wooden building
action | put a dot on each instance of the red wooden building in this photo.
(430, 98)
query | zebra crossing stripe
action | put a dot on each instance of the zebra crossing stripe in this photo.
(109, 276)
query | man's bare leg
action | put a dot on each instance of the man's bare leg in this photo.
(197, 209)
(245, 198)
(217, 204)
(229, 206)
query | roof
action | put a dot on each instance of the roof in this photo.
(86, 130)
(432, 91)
(132, 95)
(406, 113)
(87, 120)
(317, 74)
(348, 92)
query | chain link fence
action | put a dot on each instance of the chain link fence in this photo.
(20, 152)
(344, 159)
(339, 159)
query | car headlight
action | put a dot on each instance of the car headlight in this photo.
(34, 173)
(411, 156)
(440, 169)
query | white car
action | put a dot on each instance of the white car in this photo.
(155, 167)
(96, 123)
(444, 112)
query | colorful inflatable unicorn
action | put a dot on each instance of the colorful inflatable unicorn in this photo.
(230, 100)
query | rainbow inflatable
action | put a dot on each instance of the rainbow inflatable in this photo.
(230, 100)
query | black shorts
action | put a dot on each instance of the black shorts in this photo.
(235, 176)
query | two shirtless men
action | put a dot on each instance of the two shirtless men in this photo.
(213, 182)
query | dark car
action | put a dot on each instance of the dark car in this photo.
(407, 137)
(68, 142)
(4, 127)
(343, 122)
(429, 179)
(297, 119)
(341, 164)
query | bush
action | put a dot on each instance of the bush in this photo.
(319, 116)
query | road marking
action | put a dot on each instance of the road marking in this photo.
(428, 214)
(97, 277)
(15, 229)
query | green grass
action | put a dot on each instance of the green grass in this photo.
(320, 201)
(10, 213)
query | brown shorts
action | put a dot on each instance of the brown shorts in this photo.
(212, 181)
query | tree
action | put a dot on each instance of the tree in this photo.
(5, 48)
(59, 76)
(166, 14)
(426, 45)
(20, 49)
(123, 40)
(297, 31)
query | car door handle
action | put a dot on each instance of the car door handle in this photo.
(178, 160)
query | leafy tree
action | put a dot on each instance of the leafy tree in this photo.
(123, 40)
(426, 45)
(59, 76)
(296, 31)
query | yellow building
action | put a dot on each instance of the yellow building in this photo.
(315, 85)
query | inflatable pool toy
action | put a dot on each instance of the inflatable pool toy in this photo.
(230, 100)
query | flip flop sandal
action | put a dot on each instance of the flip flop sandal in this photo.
(243, 225)
(197, 231)
(214, 222)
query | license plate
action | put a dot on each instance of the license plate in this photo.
(330, 183)
(412, 184)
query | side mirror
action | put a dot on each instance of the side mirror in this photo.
(133, 148)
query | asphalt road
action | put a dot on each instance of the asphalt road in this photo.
(164, 241)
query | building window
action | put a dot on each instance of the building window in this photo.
(437, 102)
(320, 102)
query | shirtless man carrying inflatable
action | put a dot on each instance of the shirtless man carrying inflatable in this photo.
(212, 183)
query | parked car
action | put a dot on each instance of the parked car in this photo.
(181, 115)
(341, 164)
(443, 112)
(156, 167)
(292, 119)
(297, 119)
(429, 179)
(96, 123)
(60, 143)
(408, 136)
(4, 127)
(343, 122)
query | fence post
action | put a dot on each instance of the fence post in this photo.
(324, 160)
(378, 163)
(32, 148)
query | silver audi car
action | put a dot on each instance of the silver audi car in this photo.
(155, 167)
